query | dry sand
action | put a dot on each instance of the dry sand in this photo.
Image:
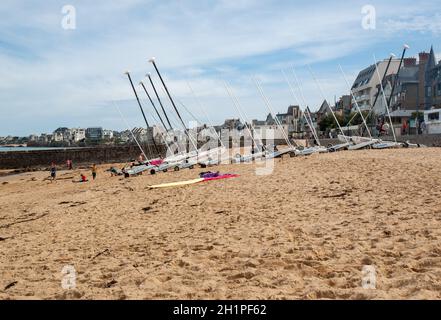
(306, 231)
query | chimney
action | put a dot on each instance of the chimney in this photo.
(424, 57)
(410, 62)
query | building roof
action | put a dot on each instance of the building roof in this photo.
(431, 63)
(324, 108)
(364, 76)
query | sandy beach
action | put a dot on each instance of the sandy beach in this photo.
(303, 232)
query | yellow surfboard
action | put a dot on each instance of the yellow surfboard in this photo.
(176, 184)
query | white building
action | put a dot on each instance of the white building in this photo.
(79, 134)
(365, 86)
(33, 137)
(432, 121)
(108, 134)
(143, 135)
(58, 137)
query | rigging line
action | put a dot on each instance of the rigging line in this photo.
(247, 119)
(324, 98)
(162, 134)
(304, 102)
(384, 97)
(198, 122)
(159, 100)
(238, 111)
(143, 114)
(308, 112)
(152, 60)
(371, 109)
(298, 102)
(205, 114)
(356, 103)
(153, 104)
(189, 112)
(268, 104)
(158, 114)
(187, 131)
(128, 127)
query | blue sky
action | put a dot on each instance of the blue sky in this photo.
(52, 77)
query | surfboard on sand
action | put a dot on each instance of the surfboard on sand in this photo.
(176, 184)
(189, 182)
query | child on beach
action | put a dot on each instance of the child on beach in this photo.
(69, 164)
(53, 172)
(116, 172)
(94, 171)
(83, 178)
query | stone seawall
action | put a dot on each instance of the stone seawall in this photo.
(43, 158)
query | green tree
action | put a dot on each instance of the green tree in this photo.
(420, 116)
(328, 122)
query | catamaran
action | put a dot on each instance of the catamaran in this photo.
(307, 116)
(178, 161)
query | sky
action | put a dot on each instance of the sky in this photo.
(53, 76)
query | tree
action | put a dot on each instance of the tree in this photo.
(328, 122)
(419, 115)
(357, 118)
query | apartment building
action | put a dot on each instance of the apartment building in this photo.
(367, 81)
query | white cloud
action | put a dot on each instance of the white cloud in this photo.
(50, 75)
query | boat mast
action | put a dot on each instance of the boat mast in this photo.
(142, 111)
(356, 103)
(242, 117)
(396, 76)
(153, 104)
(268, 104)
(384, 97)
(160, 102)
(324, 98)
(159, 116)
(378, 93)
(304, 101)
(152, 61)
(298, 102)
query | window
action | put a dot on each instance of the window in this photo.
(434, 116)
(429, 92)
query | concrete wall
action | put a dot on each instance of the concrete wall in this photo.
(43, 158)
(430, 140)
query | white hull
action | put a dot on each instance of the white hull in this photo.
(387, 145)
(363, 145)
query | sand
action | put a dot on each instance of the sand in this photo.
(303, 232)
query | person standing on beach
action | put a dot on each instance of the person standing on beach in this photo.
(53, 172)
(94, 171)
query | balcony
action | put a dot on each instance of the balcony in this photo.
(362, 97)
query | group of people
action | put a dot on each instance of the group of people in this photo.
(83, 178)
(383, 128)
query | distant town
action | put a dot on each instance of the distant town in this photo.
(414, 97)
